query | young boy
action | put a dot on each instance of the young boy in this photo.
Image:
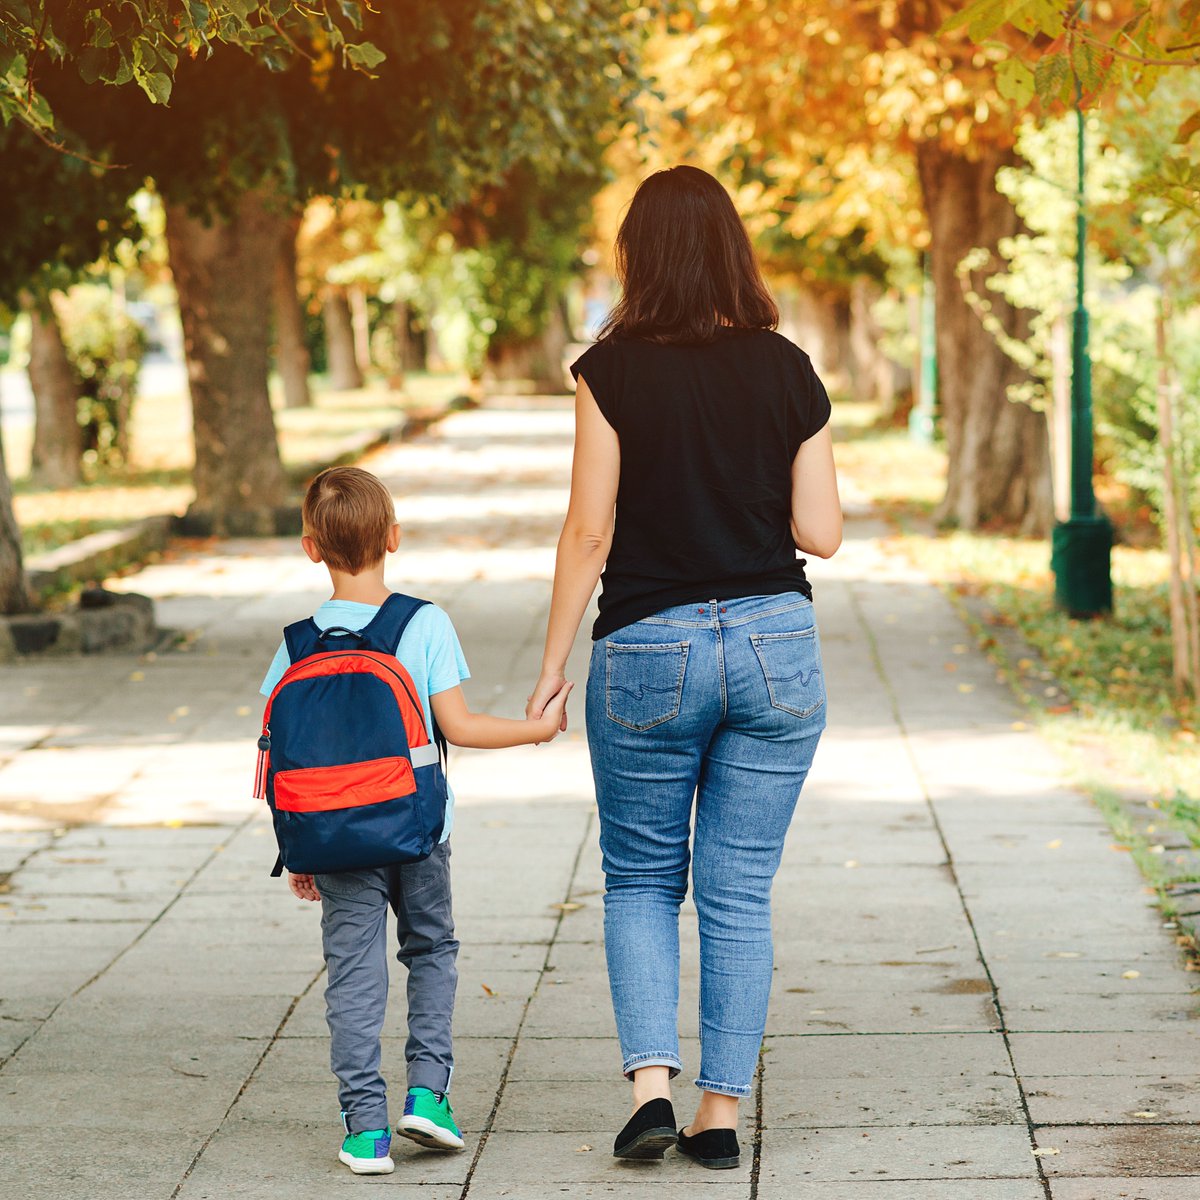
(350, 526)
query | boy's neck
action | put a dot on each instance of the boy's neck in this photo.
(367, 587)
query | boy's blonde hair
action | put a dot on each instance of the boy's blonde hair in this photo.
(348, 513)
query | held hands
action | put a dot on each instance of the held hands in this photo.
(548, 686)
(303, 886)
(553, 716)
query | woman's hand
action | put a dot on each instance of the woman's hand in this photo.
(548, 686)
(554, 717)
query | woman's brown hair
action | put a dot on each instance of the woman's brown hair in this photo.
(685, 263)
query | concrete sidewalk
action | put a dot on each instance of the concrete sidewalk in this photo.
(975, 997)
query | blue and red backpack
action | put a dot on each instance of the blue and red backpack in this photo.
(345, 761)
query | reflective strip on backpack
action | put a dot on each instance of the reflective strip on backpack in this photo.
(424, 756)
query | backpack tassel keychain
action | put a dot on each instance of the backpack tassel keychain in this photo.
(260, 771)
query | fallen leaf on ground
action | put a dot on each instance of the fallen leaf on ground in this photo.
(487, 989)
(583, 1149)
(1145, 1116)
(567, 906)
(1131, 975)
(1056, 844)
(966, 687)
(1044, 1151)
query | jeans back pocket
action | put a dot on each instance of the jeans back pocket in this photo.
(791, 665)
(644, 684)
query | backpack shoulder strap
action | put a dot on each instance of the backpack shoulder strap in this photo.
(302, 639)
(385, 629)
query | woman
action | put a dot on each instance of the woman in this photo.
(707, 434)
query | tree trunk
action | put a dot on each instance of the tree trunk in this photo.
(57, 437)
(14, 587)
(999, 462)
(291, 351)
(360, 320)
(345, 374)
(409, 341)
(537, 361)
(223, 274)
(818, 321)
(873, 375)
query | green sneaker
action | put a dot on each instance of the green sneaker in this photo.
(366, 1153)
(429, 1120)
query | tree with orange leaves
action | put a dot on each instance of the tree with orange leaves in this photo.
(867, 106)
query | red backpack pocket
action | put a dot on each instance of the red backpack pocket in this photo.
(348, 785)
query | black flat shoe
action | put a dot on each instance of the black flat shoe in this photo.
(716, 1149)
(650, 1131)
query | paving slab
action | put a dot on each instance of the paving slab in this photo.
(516, 1159)
(1123, 1054)
(925, 1189)
(1097, 1188)
(1113, 1099)
(962, 1152)
(1120, 1151)
(627, 1185)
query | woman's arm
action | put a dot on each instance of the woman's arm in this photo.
(585, 541)
(462, 727)
(816, 509)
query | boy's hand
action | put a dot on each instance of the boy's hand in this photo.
(554, 716)
(548, 686)
(303, 886)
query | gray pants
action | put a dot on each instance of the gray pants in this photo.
(354, 908)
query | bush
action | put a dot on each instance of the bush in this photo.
(106, 347)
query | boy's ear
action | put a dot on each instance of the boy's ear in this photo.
(393, 539)
(310, 548)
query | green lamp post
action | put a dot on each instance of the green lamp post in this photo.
(1082, 545)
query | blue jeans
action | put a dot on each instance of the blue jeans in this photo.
(724, 703)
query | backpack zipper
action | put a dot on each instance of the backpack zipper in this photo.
(264, 742)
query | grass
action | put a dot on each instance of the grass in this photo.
(158, 479)
(1127, 736)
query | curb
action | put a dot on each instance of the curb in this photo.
(93, 558)
(111, 621)
(104, 622)
(98, 555)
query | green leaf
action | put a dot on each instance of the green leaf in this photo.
(1015, 82)
(156, 85)
(1050, 75)
(364, 54)
(92, 62)
(1040, 16)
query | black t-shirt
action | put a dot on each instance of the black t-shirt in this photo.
(708, 434)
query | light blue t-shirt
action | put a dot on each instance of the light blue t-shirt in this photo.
(429, 649)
